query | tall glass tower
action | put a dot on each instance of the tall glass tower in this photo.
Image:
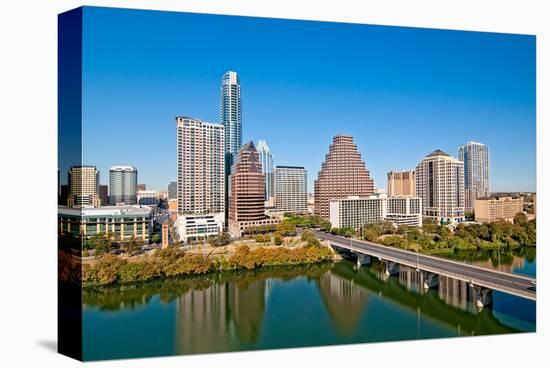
(230, 112)
(123, 185)
(476, 172)
(266, 160)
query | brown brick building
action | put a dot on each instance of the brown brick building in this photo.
(342, 174)
(247, 192)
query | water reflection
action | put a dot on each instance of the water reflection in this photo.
(228, 312)
(344, 300)
(512, 261)
(201, 320)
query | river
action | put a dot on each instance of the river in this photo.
(322, 304)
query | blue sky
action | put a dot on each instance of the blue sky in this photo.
(401, 92)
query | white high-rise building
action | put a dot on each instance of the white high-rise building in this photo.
(440, 184)
(475, 157)
(123, 185)
(231, 112)
(291, 189)
(266, 160)
(201, 169)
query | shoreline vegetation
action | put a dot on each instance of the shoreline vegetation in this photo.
(281, 246)
(442, 240)
(262, 251)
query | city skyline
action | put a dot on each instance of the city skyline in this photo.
(442, 96)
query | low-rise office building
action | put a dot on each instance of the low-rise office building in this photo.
(491, 209)
(147, 197)
(117, 222)
(355, 212)
(199, 226)
(404, 211)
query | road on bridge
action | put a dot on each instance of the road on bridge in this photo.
(507, 282)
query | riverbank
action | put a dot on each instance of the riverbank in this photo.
(174, 262)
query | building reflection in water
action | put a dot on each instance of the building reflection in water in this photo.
(220, 317)
(246, 303)
(344, 300)
(514, 264)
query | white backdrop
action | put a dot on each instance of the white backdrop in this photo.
(28, 143)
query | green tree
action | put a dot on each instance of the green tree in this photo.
(286, 228)
(220, 239)
(277, 239)
(520, 219)
(155, 239)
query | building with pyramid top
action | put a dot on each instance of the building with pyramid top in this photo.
(440, 184)
(343, 174)
(247, 192)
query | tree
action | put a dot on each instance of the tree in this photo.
(520, 218)
(429, 226)
(370, 235)
(308, 234)
(133, 246)
(155, 238)
(277, 239)
(219, 240)
(286, 228)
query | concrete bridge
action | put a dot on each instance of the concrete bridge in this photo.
(481, 280)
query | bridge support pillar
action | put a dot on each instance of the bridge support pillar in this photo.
(392, 268)
(362, 259)
(481, 296)
(430, 279)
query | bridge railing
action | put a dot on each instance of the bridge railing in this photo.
(442, 271)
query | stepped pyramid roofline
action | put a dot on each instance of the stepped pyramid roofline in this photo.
(249, 147)
(438, 152)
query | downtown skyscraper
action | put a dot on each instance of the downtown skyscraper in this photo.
(231, 114)
(440, 184)
(83, 186)
(201, 170)
(266, 160)
(343, 174)
(475, 157)
(123, 185)
(291, 189)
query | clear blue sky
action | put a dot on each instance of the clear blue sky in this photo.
(401, 92)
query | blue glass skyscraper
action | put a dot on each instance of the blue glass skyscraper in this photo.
(231, 112)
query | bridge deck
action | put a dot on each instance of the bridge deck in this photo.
(518, 285)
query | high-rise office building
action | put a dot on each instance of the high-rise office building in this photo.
(266, 160)
(475, 157)
(201, 171)
(83, 186)
(173, 190)
(291, 189)
(402, 183)
(123, 185)
(246, 196)
(342, 174)
(104, 194)
(440, 184)
(141, 187)
(231, 112)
